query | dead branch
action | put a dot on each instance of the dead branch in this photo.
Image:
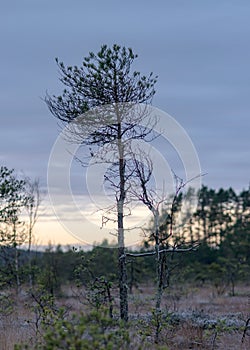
(165, 250)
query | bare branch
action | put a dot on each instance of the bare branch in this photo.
(165, 250)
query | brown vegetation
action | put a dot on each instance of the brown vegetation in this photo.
(192, 317)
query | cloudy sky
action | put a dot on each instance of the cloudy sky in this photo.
(199, 49)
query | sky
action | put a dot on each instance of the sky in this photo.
(199, 49)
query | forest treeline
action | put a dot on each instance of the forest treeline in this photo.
(219, 228)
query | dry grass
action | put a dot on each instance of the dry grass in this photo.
(19, 325)
(14, 328)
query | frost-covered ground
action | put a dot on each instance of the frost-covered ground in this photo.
(192, 317)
